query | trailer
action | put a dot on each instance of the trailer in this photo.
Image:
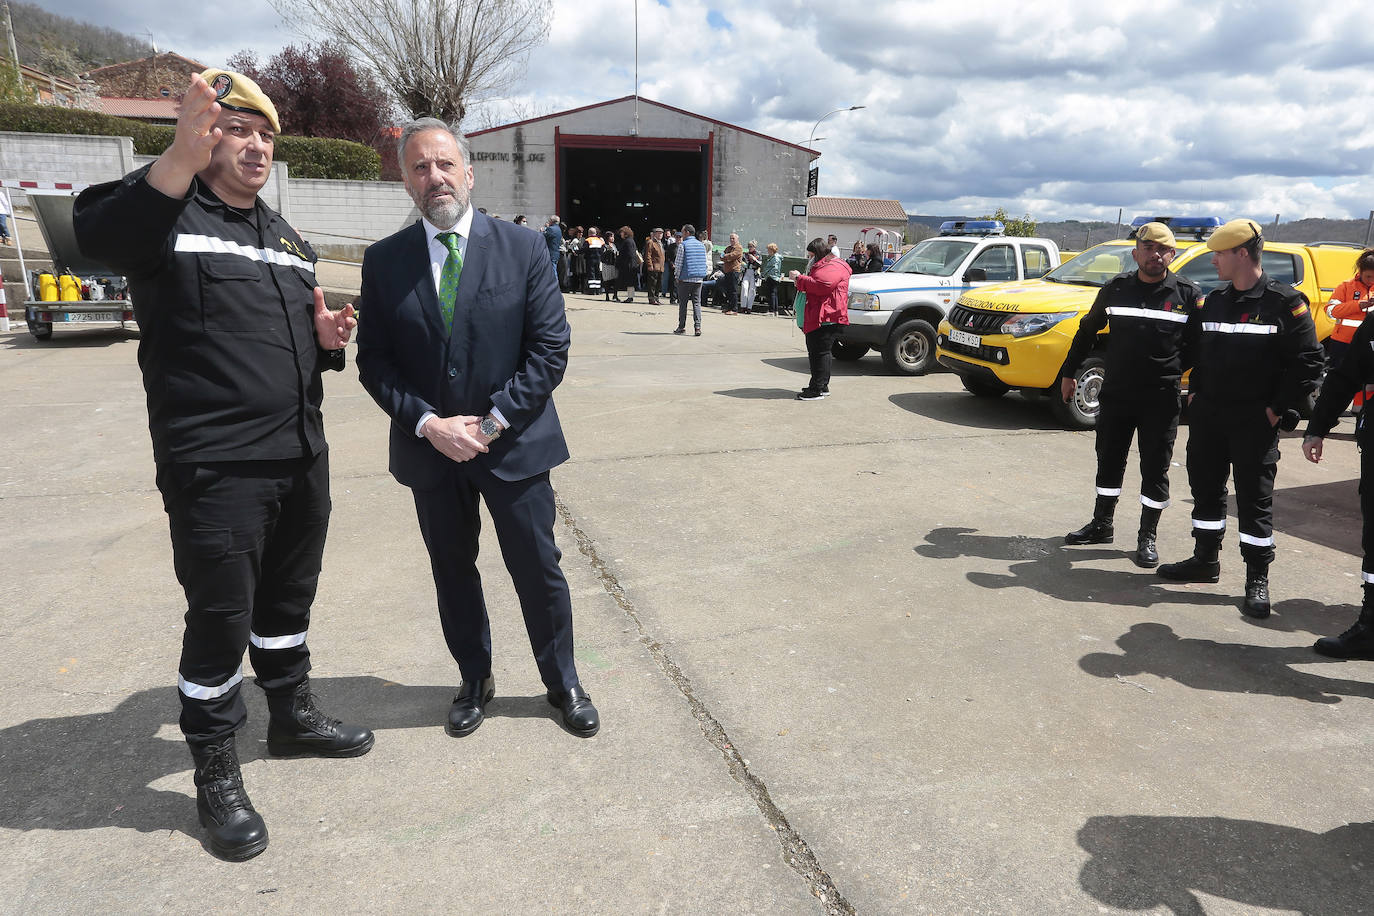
(79, 291)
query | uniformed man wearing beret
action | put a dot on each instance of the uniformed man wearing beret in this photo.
(235, 334)
(1148, 310)
(1256, 360)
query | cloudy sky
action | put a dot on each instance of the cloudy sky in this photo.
(1064, 110)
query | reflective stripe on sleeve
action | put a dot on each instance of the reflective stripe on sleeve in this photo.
(201, 692)
(1348, 322)
(1207, 524)
(1226, 327)
(208, 244)
(277, 642)
(1153, 503)
(1108, 491)
(1368, 577)
(1256, 542)
(1153, 314)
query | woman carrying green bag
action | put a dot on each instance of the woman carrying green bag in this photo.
(822, 309)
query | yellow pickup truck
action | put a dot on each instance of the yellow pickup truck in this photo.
(1017, 335)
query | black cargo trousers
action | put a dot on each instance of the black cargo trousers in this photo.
(1238, 441)
(247, 544)
(1151, 416)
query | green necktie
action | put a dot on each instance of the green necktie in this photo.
(448, 278)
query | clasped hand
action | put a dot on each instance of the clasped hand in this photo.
(458, 438)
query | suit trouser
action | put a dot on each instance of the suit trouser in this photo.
(523, 512)
(1238, 440)
(247, 542)
(652, 280)
(1152, 418)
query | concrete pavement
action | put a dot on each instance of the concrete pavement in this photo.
(838, 647)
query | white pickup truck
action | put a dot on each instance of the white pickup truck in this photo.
(897, 311)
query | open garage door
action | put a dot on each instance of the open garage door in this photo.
(611, 182)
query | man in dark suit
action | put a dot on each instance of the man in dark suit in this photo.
(462, 342)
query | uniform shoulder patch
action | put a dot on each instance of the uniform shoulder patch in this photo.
(1300, 309)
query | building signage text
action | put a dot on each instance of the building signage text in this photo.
(506, 157)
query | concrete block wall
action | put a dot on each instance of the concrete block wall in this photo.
(341, 218)
(63, 157)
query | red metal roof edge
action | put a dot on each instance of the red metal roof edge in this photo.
(626, 98)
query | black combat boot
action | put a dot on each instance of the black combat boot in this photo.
(1146, 554)
(1256, 591)
(237, 832)
(1099, 530)
(1202, 566)
(298, 727)
(1356, 642)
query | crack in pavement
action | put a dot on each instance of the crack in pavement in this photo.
(795, 850)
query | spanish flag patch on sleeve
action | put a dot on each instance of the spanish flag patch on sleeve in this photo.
(1300, 309)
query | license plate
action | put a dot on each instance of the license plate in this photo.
(965, 338)
(93, 316)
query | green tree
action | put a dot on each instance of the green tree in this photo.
(1025, 227)
(12, 88)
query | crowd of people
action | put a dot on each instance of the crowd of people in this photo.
(741, 278)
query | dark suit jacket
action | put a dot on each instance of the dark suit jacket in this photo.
(508, 349)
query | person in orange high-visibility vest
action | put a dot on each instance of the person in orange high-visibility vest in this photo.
(1347, 307)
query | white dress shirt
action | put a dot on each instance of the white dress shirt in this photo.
(438, 255)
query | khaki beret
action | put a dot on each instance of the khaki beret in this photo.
(1234, 234)
(238, 92)
(1157, 233)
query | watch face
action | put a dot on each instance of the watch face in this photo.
(489, 428)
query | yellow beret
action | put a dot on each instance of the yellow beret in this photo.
(1157, 233)
(236, 91)
(1234, 234)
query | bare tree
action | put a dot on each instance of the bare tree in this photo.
(436, 56)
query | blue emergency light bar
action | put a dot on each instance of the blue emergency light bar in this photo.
(972, 227)
(1198, 226)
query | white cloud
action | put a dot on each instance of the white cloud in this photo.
(1063, 108)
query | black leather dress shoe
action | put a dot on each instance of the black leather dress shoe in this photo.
(579, 715)
(466, 713)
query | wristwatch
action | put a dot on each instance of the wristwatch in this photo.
(490, 428)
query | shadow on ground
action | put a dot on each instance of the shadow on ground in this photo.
(760, 394)
(1047, 566)
(964, 409)
(1205, 664)
(1140, 863)
(80, 338)
(91, 771)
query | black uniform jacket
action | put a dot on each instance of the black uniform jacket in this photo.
(508, 348)
(225, 309)
(1147, 343)
(1256, 347)
(1352, 373)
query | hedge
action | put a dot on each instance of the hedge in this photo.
(308, 157)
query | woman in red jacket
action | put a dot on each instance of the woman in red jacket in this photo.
(826, 285)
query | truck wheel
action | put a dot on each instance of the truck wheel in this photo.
(910, 350)
(847, 352)
(1081, 410)
(41, 330)
(983, 388)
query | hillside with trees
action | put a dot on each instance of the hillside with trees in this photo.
(66, 47)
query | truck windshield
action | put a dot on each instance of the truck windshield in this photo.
(1095, 266)
(936, 257)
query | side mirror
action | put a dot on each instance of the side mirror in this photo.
(975, 275)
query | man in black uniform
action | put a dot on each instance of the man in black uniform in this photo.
(1354, 373)
(1148, 309)
(1256, 359)
(235, 334)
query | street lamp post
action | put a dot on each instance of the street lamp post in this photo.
(811, 138)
